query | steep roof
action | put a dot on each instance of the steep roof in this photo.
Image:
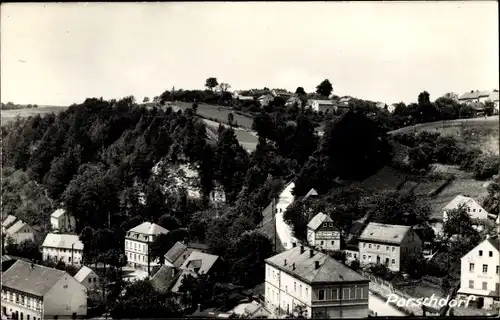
(495, 242)
(16, 227)
(457, 202)
(63, 241)
(311, 193)
(387, 233)
(203, 261)
(58, 213)
(163, 279)
(83, 273)
(474, 95)
(329, 269)
(317, 220)
(175, 256)
(149, 228)
(31, 278)
(8, 221)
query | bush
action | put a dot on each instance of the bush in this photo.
(486, 166)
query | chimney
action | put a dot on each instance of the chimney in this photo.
(293, 266)
(311, 253)
(302, 249)
(316, 265)
(285, 262)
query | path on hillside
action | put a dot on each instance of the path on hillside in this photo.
(284, 232)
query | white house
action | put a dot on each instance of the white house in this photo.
(8, 222)
(34, 292)
(473, 207)
(137, 242)
(281, 93)
(494, 98)
(322, 233)
(62, 221)
(474, 96)
(324, 287)
(20, 231)
(62, 247)
(323, 106)
(265, 99)
(480, 274)
(388, 244)
(90, 280)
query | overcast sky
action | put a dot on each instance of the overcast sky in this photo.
(382, 51)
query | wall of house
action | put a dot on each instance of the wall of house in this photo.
(351, 255)
(66, 298)
(479, 257)
(368, 252)
(30, 307)
(93, 286)
(67, 256)
(346, 300)
(411, 244)
(137, 254)
(56, 223)
(327, 237)
(474, 209)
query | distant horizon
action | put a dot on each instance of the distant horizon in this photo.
(378, 51)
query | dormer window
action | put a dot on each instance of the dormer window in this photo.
(325, 224)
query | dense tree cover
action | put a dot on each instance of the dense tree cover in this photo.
(491, 202)
(325, 88)
(26, 249)
(352, 148)
(9, 106)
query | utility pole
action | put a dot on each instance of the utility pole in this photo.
(72, 258)
(173, 91)
(149, 259)
(273, 207)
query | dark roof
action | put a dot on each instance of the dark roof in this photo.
(31, 278)
(199, 246)
(329, 271)
(178, 254)
(311, 193)
(164, 278)
(495, 242)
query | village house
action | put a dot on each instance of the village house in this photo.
(473, 207)
(293, 101)
(323, 106)
(62, 221)
(8, 222)
(324, 287)
(480, 274)
(388, 244)
(62, 247)
(90, 280)
(474, 97)
(265, 99)
(284, 94)
(351, 246)
(322, 233)
(198, 263)
(34, 292)
(137, 241)
(494, 98)
(21, 231)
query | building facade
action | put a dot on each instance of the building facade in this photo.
(63, 247)
(475, 210)
(137, 243)
(322, 233)
(323, 106)
(34, 292)
(21, 231)
(62, 221)
(480, 274)
(324, 287)
(388, 244)
(90, 280)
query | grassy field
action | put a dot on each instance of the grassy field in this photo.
(218, 113)
(11, 115)
(481, 132)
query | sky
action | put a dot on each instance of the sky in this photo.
(62, 53)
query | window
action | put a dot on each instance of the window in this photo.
(335, 294)
(300, 290)
(393, 261)
(352, 294)
(135, 245)
(378, 247)
(491, 253)
(473, 210)
(480, 210)
(370, 246)
(69, 259)
(387, 248)
(369, 258)
(330, 225)
(485, 268)
(346, 293)
(359, 293)
(295, 287)
(485, 285)
(286, 288)
(364, 257)
(322, 242)
(393, 249)
(364, 245)
(471, 284)
(480, 253)
(498, 269)
(497, 287)
(471, 267)
(307, 292)
(90, 280)
(333, 242)
(321, 294)
(325, 224)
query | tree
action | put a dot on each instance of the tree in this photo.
(300, 91)
(489, 108)
(223, 87)
(230, 118)
(424, 98)
(485, 166)
(325, 88)
(196, 290)
(459, 222)
(211, 83)
(451, 96)
(26, 249)
(195, 107)
(146, 99)
(491, 202)
(414, 265)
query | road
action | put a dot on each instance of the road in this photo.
(382, 309)
(284, 231)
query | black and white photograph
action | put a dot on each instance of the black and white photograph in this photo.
(268, 160)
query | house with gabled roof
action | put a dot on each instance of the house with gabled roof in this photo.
(388, 244)
(474, 209)
(282, 93)
(35, 292)
(265, 99)
(137, 242)
(326, 288)
(310, 194)
(197, 263)
(62, 221)
(90, 280)
(21, 231)
(322, 233)
(474, 96)
(62, 247)
(480, 274)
